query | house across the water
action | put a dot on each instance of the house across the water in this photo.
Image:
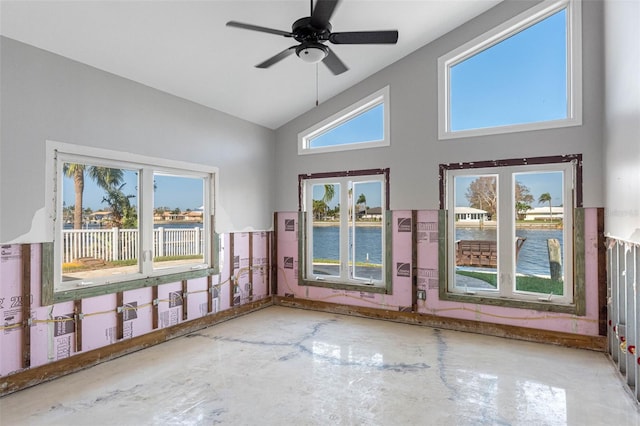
(471, 214)
(543, 213)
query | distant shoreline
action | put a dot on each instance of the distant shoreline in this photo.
(486, 224)
(173, 222)
(519, 224)
(358, 223)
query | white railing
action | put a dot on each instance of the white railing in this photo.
(176, 241)
(123, 244)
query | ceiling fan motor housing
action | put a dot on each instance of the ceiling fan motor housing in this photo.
(303, 31)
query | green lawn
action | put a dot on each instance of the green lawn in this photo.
(523, 283)
(77, 267)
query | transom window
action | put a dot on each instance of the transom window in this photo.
(510, 230)
(522, 75)
(345, 232)
(122, 218)
(362, 125)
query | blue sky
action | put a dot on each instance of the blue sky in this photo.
(538, 183)
(371, 191)
(171, 191)
(520, 80)
(365, 127)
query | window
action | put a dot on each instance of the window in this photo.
(519, 243)
(522, 75)
(362, 125)
(345, 230)
(122, 219)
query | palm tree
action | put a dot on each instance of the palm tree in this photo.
(362, 199)
(122, 213)
(521, 209)
(319, 209)
(546, 198)
(104, 177)
(329, 193)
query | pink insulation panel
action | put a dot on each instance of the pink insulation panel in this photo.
(242, 288)
(169, 304)
(287, 262)
(427, 247)
(56, 338)
(197, 299)
(401, 227)
(10, 309)
(99, 323)
(223, 279)
(53, 333)
(260, 265)
(216, 293)
(137, 314)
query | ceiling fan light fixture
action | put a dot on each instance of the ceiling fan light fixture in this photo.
(312, 53)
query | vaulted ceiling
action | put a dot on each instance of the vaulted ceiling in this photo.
(183, 47)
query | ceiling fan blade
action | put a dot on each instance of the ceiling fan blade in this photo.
(258, 28)
(322, 13)
(365, 37)
(335, 65)
(277, 58)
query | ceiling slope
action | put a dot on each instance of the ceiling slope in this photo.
(185, 49)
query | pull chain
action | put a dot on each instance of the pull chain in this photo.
(317, 90)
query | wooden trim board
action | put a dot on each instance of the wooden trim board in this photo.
(577, 341)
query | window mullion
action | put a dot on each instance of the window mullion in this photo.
(308, 202)
(206, 220)
(451, 228)
(567, 233)
(344, 230)
(506, 230)
(145, 221)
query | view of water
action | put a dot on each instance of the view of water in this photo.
(326, 244)
(533, 258)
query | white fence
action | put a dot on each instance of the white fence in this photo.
(123, 244)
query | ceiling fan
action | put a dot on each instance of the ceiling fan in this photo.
(313, 31)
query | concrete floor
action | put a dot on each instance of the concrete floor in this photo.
(296, 367)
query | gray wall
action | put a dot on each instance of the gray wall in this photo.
(45, 96)
(622, 119)
(416, 152)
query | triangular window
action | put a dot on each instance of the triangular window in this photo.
(362, 125)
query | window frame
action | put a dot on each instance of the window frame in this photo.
(304, 239)
(381, 97)
(576, 255)
(54, 290)
(496, 35)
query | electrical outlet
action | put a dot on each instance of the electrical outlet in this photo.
(422, 295)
